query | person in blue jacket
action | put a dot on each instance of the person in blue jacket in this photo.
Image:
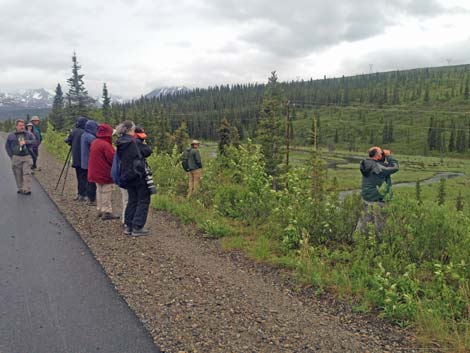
(87, 138)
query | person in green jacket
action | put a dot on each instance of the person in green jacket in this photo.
(376, 174)
(376, 187)
(194, 167)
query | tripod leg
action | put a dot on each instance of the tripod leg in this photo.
(65, 177)
(63, 168)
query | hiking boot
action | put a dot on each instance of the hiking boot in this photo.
(26, 192)
(127, 230)
(137, 232)
(109, 216)
(91, 203)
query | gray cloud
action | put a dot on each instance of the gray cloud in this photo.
(135, 45)
(295, 28)
(406, 58)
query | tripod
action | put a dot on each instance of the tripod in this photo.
(65, 168)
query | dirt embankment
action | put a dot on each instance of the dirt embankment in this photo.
(195, 297)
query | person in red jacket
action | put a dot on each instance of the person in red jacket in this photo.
(99, 170)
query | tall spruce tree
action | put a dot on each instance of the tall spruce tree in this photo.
(106, 107)
(181, 137)
(467, 90)
(441, 194)
(318, 165)
(163, 139)
(78, 101)
(270, 128)
(56, 115)
(224, 136)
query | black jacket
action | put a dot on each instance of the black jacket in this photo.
(74, 140)
(132, 162)
(144, 149)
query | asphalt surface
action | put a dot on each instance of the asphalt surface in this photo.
(54, 296)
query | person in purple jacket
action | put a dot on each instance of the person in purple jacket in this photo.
(18, 146)
(87, 138)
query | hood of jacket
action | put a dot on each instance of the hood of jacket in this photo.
(91, 126)
(367, 166)
(81, 122)
(104, 130)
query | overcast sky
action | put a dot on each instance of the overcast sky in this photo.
(138, 45)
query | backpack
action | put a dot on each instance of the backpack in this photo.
(185, 160)
(116, 171)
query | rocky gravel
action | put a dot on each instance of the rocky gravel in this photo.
(194, 296)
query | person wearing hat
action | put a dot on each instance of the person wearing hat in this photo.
(37, 134)
(30, 129)
(194, 167)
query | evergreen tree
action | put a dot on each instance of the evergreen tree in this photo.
(441, 196)
(426, 95)
(461, 140)
(163, 140)
(234, 137)
(459, 203)
(318, 166)
(418, 192)
(106, 108)
(270, 128)
(181, 137)
(225, 131)
(452, 142)
(78, 101)
(56, 115)
(466, 92)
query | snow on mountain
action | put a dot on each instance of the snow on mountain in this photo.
(26, 99)
(163, 91)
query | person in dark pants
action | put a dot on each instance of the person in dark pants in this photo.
(74, 140)
(132, 174)
(87, 138)
(35, 120)
(30, 129)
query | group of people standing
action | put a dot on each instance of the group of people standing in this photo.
(93, 155)
(22, 146)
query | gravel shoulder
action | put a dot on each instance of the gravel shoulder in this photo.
(193, 296)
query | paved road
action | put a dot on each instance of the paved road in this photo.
(54, 296)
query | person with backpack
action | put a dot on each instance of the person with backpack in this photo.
(87, 138)
(192, 164)
(18, 146)
(74, 140)
(35, 120)
(131, 176)
(99, 170)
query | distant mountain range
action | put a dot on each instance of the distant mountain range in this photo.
(31, 98)
(33, 101)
